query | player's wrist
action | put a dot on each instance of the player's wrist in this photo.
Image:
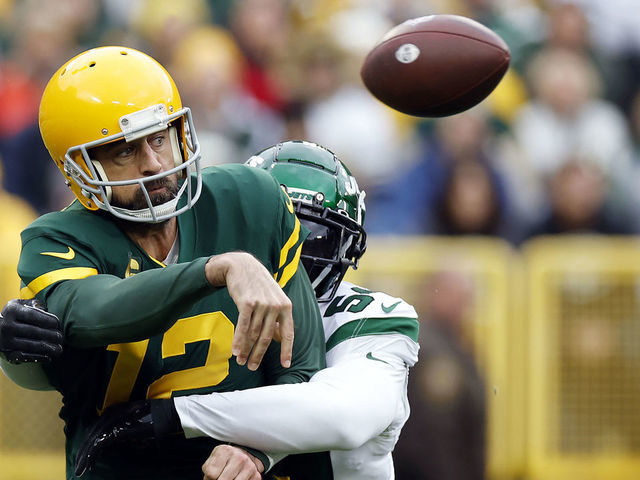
(259, 458)
(216, 269)
(218, 266)
(166, 420)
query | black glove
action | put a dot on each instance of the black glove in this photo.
(138, 421)
(28, 333)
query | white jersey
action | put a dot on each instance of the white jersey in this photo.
(355, 407)
(357, 312)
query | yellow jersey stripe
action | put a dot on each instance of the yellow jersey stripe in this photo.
(157, 261)
(293, 239)
(290, 269)
(46, 279)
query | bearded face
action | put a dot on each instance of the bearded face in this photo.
(160, 191)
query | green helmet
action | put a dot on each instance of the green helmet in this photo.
(327, 201)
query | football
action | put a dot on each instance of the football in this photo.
(435, 66)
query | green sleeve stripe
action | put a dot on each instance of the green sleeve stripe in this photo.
(49, 278)
(290, 270)
(375, 326)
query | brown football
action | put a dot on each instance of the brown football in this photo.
(435, 66)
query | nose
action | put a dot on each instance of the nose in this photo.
(150, 163)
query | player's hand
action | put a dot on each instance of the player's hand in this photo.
(28, 333)
(264, 310)
(227, 462)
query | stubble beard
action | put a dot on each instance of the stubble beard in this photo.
(139, 202)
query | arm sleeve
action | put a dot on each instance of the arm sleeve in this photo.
(341, 408)
(104, 309)
(125, 310)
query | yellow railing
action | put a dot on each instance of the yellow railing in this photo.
(583, 417)
(554, 329)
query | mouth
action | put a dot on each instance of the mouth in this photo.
(157, 189)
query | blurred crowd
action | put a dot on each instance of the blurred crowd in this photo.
(555, 149)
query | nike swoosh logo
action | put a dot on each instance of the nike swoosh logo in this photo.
(65, 256)
(390, 308)
(371, 357)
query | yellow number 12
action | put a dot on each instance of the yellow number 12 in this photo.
(215, 327)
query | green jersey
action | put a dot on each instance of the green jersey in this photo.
(135, 328)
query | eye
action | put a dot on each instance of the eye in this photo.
(157, 140)
(125, 151)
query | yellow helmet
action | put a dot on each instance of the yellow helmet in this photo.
(106, 94)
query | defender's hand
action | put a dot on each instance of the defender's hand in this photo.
(231, 463)
(264, 310)
(28, 333)
(119, 423)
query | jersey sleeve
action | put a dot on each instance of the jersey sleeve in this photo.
(98, 309)
(46, 261)
(342, 407)
(127, 310)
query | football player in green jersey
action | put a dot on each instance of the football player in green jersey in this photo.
(357, 406)
(159, 272)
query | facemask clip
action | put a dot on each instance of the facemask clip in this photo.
(144, 122)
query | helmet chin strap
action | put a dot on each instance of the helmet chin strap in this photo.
(159, 210)
(145, 213)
